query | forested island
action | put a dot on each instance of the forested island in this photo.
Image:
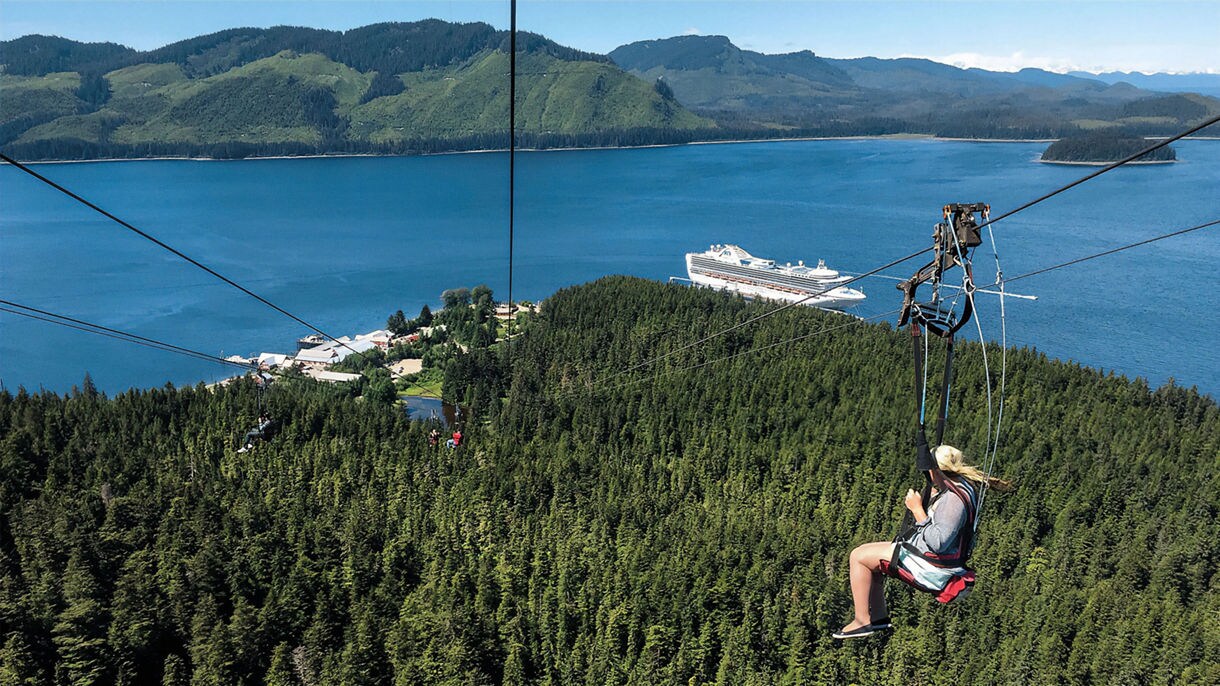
(1104, 147)
(665, 526)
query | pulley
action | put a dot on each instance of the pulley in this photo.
(952, 240)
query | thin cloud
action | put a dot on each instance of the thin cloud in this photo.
(692, 31)
(1014, 62)
(1019, 60)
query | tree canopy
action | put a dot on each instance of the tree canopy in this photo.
(1105, 146)
(664, 526)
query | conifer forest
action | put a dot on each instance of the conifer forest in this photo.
(670, 524)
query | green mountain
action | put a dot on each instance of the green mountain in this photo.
(669, 526)
(1196, 82)
(710, 72)
(42, 55)
(803, 93)
(433, 86)
(384, 88)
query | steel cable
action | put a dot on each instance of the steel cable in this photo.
(1061, 189)
(894, 312)
(89, 327)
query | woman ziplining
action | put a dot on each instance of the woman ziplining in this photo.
(931, 553)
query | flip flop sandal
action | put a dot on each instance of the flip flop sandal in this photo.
(866, 630)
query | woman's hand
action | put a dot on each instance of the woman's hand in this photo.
(914, 503)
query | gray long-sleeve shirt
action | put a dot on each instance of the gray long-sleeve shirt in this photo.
(938, 533)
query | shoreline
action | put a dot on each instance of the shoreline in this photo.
(1103, 164)
(736, 141)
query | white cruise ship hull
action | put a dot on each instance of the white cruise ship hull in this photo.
(705, 272)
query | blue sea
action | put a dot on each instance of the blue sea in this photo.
(343, 242)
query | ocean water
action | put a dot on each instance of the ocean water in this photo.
(343, 242)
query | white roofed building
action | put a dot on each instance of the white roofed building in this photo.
(353, 347)
(333, 352)
(270, 360)
(321, 356)
(509, 310)
(381, 338)
(332, 377)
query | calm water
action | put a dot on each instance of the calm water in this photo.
(424, 408)
(344, 242)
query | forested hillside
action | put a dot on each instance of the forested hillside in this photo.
(659, 527)
(387, 88)
(801, 93)
(433, 86)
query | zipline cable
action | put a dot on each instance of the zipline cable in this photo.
(512, 162)
(700, 341)
(1110, 167)
(190, 259)
(894, 312)
(1061, 189)
(763, 315)
(993, 448)
(120, 335)
(759, 349)
(89, 327)
(1086, 258)
(170, 248)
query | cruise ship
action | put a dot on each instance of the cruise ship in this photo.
(728, 267)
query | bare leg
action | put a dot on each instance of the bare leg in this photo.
(867, 587)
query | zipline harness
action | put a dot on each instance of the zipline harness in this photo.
(946, 574)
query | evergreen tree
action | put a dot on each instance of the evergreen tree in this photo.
(456, 297)
(663, 528)
(174, 672)
(79, 632)
(397, 323)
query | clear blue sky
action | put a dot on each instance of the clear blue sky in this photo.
(1094, 35)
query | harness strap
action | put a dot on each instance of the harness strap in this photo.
(952, 240)
(965, 535)
(945, 386)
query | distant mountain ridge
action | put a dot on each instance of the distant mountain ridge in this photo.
(394, 47)
(434, 86)
(1198, 82)
(709, 72)
(801, 91)
(396, 87)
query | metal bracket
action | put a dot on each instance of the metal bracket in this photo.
(952, 240)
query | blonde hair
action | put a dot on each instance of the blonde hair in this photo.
(951, 460)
